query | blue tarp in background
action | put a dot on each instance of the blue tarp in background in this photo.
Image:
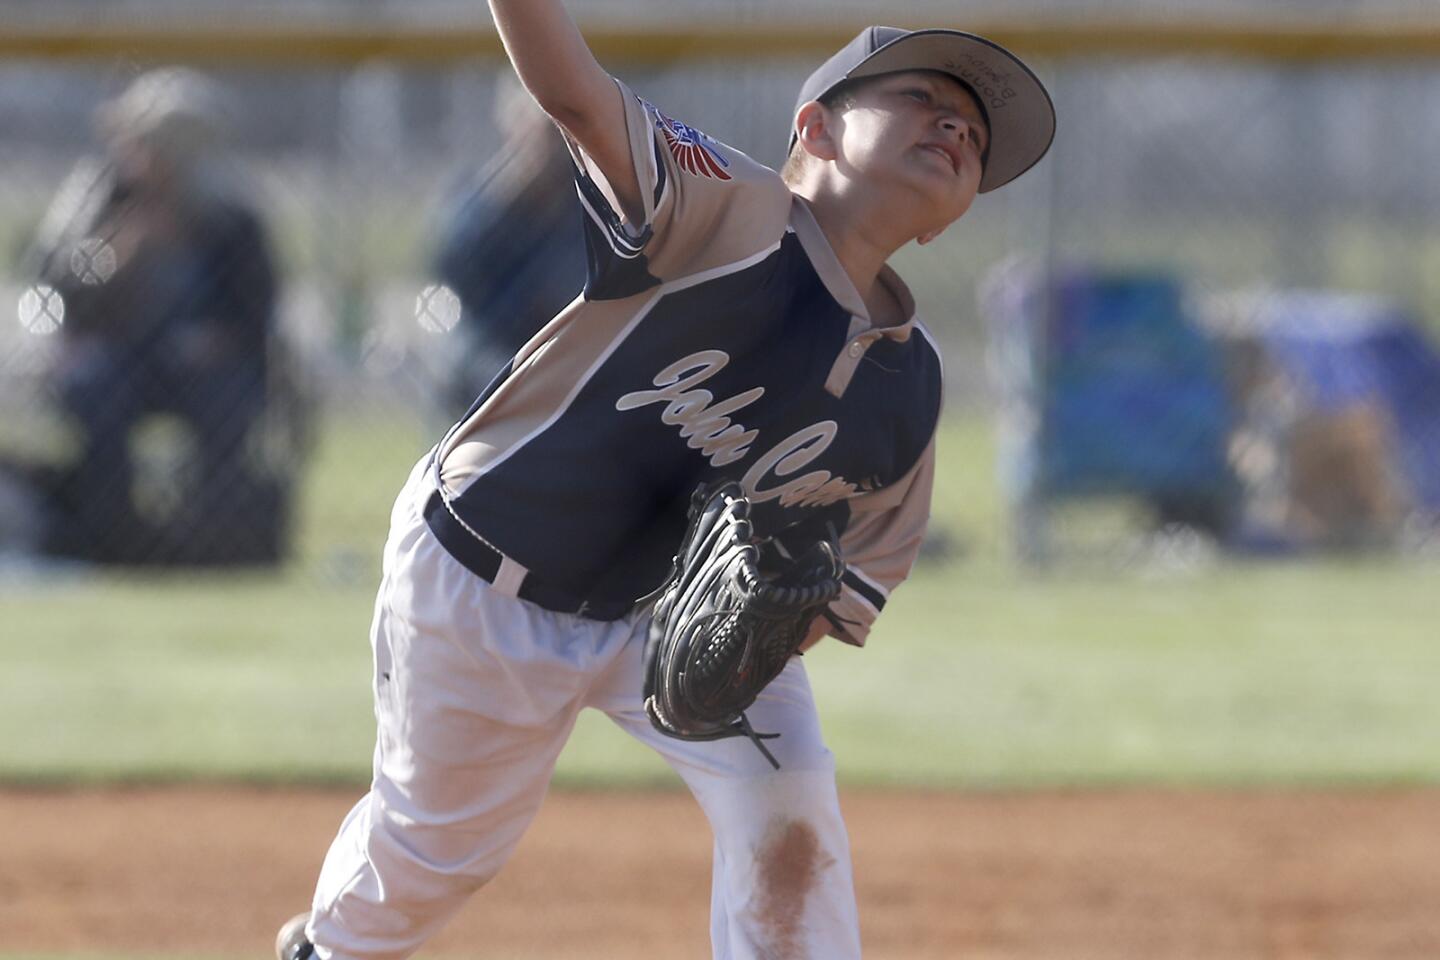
(1133, 397)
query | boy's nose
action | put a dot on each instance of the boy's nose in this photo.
(951, 123)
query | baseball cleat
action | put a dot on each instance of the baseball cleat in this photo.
(290, 942)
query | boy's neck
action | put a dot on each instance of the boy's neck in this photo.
(860, 247)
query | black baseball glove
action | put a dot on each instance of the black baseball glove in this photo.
(735, 609)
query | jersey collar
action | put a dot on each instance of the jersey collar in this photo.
(862, 334)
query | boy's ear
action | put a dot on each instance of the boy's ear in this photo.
(813, 130)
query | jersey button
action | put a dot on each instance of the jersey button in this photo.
(856, 349)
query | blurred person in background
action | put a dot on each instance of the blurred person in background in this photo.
(509, 245)
(169, 290)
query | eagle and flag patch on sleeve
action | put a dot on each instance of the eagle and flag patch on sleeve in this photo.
(694, 152)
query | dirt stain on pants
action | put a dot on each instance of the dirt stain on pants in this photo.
(788, 864)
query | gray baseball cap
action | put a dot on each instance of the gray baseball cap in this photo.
(1016, 104)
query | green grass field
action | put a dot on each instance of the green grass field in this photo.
(979, 675)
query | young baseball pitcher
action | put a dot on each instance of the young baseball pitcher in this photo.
(737, 324)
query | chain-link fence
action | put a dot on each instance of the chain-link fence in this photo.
(239, 313)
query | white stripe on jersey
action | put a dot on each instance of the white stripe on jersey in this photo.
(622, 247)
(860, 598)
(872, 584)
(705, 275)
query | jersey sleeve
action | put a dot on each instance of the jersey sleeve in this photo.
(705, 204)
(880, 545)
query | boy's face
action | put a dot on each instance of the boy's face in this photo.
(920, 132)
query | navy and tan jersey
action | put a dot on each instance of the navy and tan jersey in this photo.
(718, 338)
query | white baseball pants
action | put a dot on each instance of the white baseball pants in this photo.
(476, 693)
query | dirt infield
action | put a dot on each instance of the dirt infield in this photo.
(1069, 876)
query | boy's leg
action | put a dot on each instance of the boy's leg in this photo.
(475, 694)
(782, 884)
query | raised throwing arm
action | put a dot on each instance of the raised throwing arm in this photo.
(554, 63)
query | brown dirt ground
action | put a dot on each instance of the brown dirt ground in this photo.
(1290, 875)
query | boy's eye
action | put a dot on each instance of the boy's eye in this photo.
(921, 95)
